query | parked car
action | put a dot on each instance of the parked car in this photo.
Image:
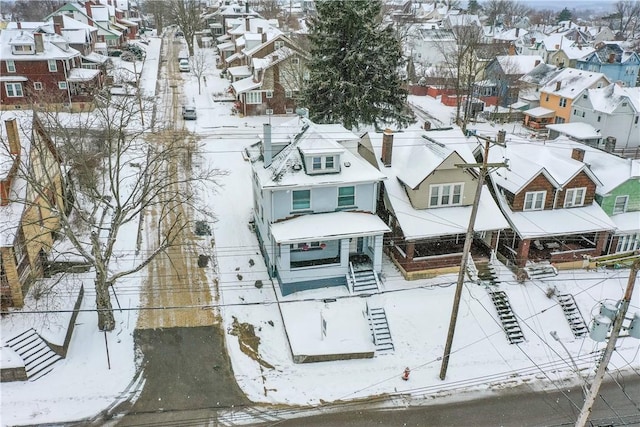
(184, 66)
(189, 112)
(179, 34)
(122, 90)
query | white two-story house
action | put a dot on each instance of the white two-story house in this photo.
(315, 206)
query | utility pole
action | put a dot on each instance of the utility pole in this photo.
(484, 167)
(611, 345)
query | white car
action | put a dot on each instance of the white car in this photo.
(184, 66)
(189, 112)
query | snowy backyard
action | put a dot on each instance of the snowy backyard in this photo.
(89, 381)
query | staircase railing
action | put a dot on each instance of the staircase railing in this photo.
(352, 277)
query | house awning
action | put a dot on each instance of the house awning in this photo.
(326, 226)
(82, 75)
(540, 112)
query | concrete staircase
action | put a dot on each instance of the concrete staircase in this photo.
(35, 352)
(507, 317)
(573, 315)
(380, 329)
(365, 281)
(541, 270)
(487, 273)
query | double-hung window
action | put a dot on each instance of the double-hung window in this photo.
(13, 90)
(445, 195)
(620, 205)
(574, 197)
(346, 196)
(563, 102)
(301, 200)
(534, 200)
(11, 66)
(53, 65)
(317, 163)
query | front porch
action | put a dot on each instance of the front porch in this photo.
(538, 118)
(568, 251)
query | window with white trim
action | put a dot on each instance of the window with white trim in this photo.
(346, 196)
(11, 66)
(301, 200)
(620, 205)
(37, 85)
(269, 94)
(53, 65)
(316, 163)
(445, 195)
(254, 97)
(288, 93)
(278, 44)
(574, 197)
(62, 85)
(534, 200)
(295, 60)
(13, 90)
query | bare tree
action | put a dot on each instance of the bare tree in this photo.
(115, 175)
(628, 12)
(199, 66)
(504, 11)
(160, 12)
(186, 14)
(34, 10)
(461, 65)
(268, 9)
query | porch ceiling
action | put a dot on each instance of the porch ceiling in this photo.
(333, 225)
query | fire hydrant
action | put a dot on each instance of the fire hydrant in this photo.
(405, 374)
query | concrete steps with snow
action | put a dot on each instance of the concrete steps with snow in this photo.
(380, 330)
(38, 357)
(487, 273)
(573, 315)
(365, 281)
(541, 271)
(507, 317)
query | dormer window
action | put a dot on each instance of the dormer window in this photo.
(22, 49)
(324, 163)
(534, 200)
(574, 197)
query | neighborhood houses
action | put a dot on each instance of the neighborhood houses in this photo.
(302, 236)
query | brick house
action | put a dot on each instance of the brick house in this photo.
(27, 220)
(548, 196)
(40, 67)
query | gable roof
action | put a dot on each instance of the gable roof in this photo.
(608, 98)
(300, 135)
(572, 82)
(518, 64)
(55, 46)
(428, 223)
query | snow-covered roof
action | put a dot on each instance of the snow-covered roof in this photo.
(96, 57)
(82, 75)
(572, 82)
(518, 64)
(245, 85)
(578, 130)
(576, 51)
(239, 71)
(540, 74)
(344, 224)
(299, 135)
(409, 153)
(608, 98)
(540, 112)
(55, 46)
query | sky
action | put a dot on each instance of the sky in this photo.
(418, 312)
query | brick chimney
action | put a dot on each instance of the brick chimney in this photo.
(19, 25)
(512, 50)
(535, 64)
(39, 42)
(502, 136)
(264, 37)
(577, 154)
(517, 32)
(387, 147)
(558, 85)
(247, 25)
(427, 125)
(87, 7)
(58, 24)
(12, 135)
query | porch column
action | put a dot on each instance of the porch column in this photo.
(523, 252)
(377, 253)
(601, 241)
(494, 239)
(411, 249)
(344, 252)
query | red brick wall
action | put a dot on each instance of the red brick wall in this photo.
(540, 183)
(35, 71)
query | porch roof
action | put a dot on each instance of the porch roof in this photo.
(627, 222)
(540, 112)
(559, 222)
(82, 75)
(336, 225)
(419, 224)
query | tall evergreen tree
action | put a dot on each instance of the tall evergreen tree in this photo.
(355, 67)
(564, 15)
(473, 7)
